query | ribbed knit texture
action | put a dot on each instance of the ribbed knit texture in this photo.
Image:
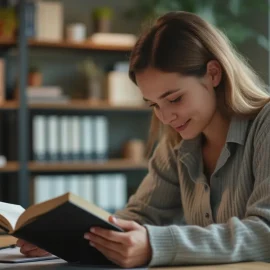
(192, 222)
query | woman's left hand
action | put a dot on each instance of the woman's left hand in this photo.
(127, 249)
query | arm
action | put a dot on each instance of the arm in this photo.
(237, 240)
(157, 200)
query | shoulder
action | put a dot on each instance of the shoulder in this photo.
(262, 121)
(260, 128)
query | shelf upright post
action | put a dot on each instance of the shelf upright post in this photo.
(23, 117)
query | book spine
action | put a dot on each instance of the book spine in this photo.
(52, 138)
(64, 142)
(87, 138)
(101, 138)
(39, 137)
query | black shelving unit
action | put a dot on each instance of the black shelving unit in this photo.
(23, 119)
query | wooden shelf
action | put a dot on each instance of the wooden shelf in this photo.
(87, 45)
(87, 166)
(7, 42)
(9, 105)
(75, 105)
(11, 166)
(78, 166)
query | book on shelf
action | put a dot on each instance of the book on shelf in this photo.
(70, 138)
(49, 224)
(106, 190)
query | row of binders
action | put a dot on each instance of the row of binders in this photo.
(66, 138)
(108, 191)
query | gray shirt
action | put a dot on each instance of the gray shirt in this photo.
(192, 222)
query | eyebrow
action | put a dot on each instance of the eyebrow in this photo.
(164, 94)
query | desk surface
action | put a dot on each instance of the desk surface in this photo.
(60, 265)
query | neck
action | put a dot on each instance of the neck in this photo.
(216, 132)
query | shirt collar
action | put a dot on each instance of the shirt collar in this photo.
(238, 129)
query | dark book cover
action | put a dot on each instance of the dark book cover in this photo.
(61, 232)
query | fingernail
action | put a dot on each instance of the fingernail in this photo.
(92, 244)
(114, 219)
(92, 230)
(86, 236)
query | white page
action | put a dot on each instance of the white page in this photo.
(13, 255)
(11, 212)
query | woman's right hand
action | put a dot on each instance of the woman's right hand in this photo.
(30, 250)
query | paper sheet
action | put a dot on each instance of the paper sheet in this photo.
(13, 255)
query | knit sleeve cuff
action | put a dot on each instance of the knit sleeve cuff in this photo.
(162, 244)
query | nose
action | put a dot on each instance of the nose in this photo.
(167, 117)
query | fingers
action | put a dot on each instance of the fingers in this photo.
(124, 238)
(37, 253)
(127, 225)
(20, 242)
(100, 241)
(30, 250)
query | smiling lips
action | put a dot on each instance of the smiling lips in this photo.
(183, 126)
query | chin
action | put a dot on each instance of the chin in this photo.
(189, 135)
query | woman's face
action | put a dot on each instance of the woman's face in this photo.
(186, 103)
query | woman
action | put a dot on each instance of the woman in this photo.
(206, 197)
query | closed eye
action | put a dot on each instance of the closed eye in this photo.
(176, 100)
(153, 105)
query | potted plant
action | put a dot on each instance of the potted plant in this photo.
(102, 19)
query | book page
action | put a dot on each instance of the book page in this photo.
(13, 255)
(9, 214)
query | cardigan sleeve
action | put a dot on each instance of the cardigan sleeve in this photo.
(157, 200)
(246, 239)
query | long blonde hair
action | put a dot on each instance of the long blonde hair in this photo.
(183, 42)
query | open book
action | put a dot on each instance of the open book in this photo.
(58, 226)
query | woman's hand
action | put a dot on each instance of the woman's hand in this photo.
(30, 250)
(127, 249)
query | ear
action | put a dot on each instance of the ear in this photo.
(214, 72)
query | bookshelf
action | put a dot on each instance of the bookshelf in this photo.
(23, 168)
(87, 45)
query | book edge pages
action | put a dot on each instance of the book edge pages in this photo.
(44, 207)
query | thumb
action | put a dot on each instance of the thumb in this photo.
(127, 225)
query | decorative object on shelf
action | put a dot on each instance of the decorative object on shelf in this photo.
(35, 77)
(94, 79)
(225, 16)
(122, 91)
(76, 32)
(117, 39)
(3, 161)
(102, 17)
(134, 149)
(49, 20)
(8, 22)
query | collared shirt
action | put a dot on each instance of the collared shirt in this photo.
(192, 222)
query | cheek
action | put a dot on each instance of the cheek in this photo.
(158, 114)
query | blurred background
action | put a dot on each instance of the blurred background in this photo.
(70, 119)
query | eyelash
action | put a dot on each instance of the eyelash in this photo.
(171, 101)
